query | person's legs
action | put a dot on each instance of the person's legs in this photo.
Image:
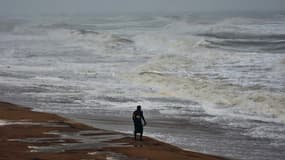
(135, 135)
(141, 136)
(138, 129)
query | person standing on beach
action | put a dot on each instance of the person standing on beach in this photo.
(138, 118)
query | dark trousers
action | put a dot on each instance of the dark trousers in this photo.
(138, 129)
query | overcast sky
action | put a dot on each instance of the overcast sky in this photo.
(113, 6)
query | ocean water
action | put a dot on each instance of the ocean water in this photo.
(213, 83)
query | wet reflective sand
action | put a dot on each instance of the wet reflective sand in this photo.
(34, 135)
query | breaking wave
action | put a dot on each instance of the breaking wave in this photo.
(216, 97)
(246, 42)
(212, 62)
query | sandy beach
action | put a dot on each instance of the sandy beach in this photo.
(26, 134)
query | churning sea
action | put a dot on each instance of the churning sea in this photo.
(213, 83)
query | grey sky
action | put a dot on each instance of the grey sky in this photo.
(113, 6)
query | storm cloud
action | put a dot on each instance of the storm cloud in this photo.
(125, 6)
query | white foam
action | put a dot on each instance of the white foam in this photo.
(216, 97)
(272, 132)
(178, 65)
(43, 78)
(26, 68)
(92, 153)
(3, 123)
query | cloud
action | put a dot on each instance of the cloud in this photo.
(113, 6)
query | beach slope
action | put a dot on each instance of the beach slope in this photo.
(26, 134)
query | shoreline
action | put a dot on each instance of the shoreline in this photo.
(34, 135)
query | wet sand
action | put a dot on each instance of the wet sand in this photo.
(30, 135)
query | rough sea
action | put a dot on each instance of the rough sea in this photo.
(212, 83)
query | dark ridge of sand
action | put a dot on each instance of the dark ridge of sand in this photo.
(29, 135)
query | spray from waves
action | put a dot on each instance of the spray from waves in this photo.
(8, 25)
(92, 40)
(234, 34)
(165, 42)
(246, 35)
(102, 42)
